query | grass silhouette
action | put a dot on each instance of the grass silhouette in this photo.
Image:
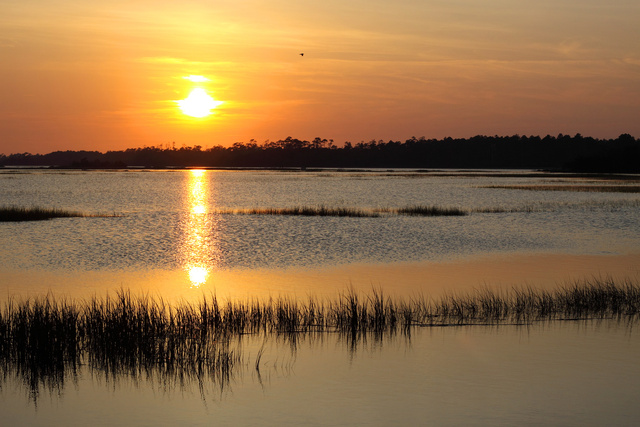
(576, 188)
(417, 210)
(14, 213)
(45, 341)
(420, 210)
(130, 322)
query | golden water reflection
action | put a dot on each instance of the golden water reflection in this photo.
(199, 247)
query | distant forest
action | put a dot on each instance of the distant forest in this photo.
(563, 152)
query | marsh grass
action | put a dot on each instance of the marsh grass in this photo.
(304, 211)
(610, 205)
(519, 209)
(421, 210)
(576, 188)
(14, 213)
(416, 210)
(45, 341)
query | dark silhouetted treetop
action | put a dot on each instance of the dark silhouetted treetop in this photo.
(563, 152)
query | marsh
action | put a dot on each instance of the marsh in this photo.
(291, 237)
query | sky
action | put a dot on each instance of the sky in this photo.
(81, 75)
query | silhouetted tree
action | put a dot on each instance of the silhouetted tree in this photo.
(577, 153)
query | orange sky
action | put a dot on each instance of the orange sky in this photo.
(106, 75)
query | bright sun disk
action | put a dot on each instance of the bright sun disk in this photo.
(198, 104)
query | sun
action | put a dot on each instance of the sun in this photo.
(198, 104)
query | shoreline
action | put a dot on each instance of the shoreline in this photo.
(444, 172)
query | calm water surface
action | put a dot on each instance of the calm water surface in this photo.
(578, 374)
(170, 235)
(170, 239)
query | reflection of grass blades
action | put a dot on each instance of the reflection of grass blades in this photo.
(43, 340)
(14, 213)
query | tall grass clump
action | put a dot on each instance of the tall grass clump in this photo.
(421, 210)
(417, 210)
(577, 188)
(305, 211)
(14, 213)
(44, 341)
(595, 299)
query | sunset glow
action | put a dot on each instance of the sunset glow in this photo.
(80, 76)
(198, 104)
(197, 79)
(341, 213)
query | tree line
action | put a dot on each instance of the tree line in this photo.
(562, 152)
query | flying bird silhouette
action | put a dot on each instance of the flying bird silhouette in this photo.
(302, 54)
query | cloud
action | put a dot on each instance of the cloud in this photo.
(167, 60)
(8, 43)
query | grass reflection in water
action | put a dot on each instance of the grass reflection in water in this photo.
(44, 342)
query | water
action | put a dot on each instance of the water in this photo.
(577, 374)
(168, 220)
(170, 239)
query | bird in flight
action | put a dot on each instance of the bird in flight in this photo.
(302, 54)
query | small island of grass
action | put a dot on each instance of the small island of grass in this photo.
(417, 210)
(14, 213)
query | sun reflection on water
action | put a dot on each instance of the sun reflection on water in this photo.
(198, 276)
(198, 246)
